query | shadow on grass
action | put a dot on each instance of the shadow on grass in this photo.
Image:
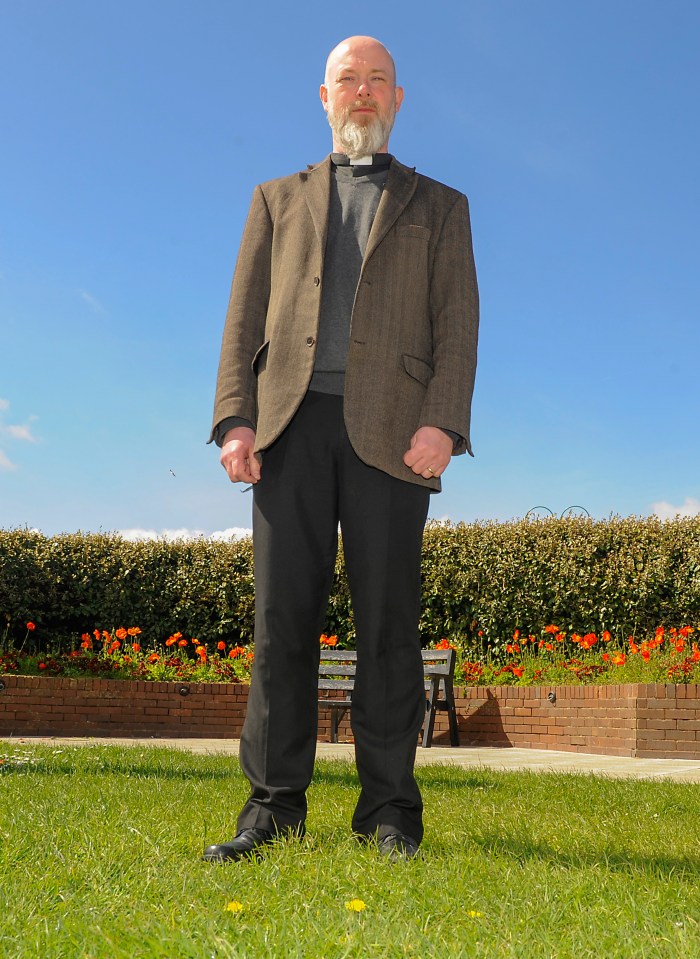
(340, 772)
(613, 859)
(172, 766)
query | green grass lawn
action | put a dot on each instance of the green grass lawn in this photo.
(100, 847)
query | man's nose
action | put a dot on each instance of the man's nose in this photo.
(363, 90)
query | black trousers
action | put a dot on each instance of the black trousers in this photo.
(312, 480)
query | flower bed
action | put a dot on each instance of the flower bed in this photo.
(557, 690)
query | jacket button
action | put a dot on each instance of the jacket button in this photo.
(317, 280)
(310, 341)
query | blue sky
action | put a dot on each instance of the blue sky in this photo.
(133, 134)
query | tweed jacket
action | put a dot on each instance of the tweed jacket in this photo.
(413, 338)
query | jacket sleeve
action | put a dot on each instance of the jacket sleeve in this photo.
(245, 319)
(454, 317)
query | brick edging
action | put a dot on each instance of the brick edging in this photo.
(654, 720)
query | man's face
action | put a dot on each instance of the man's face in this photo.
(360, 96)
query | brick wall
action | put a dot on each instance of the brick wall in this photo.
(649, 721)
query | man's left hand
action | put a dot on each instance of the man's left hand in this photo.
(430, 452)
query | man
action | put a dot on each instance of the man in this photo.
(344, 388)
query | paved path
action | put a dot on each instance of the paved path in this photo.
(538, 760)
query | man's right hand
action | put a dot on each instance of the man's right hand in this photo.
(237, 455)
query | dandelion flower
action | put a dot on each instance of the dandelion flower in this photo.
(234, 906)
(474, 914)
(355, 905)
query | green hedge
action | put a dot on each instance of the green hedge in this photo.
(623, 575)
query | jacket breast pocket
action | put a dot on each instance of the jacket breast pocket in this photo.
(418, 369)
(260, 359)
(414, 230)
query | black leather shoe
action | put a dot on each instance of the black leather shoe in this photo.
(397, 846)
(246, 845)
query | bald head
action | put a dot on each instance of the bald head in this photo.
(360, 96)
(365, 48)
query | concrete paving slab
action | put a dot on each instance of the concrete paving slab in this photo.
(536, 760)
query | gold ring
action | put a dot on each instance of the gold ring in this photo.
(431, 470)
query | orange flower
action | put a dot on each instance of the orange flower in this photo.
(31, 626)
(633, 646)
(445, 644)
(235, 652)
(606, 658)
(96, 633)
(182, 642)
(685, 631)
(170, 640)
(221, 645)
(589, 641)
(328, 640)
(549, 647)
(201, 652)
(646, 655)
(115, 646)
(134, 631)
(512, 648)
(560, 637)
(121, 633)
(518, 670)
(516, 635)
(619, 659)
(551, 629)
(136, 647)
(86, 643)
(153, 658)
(696, 653)
(177, 635)
(606, 637)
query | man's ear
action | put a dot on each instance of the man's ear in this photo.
(399, 97)
(323, 93)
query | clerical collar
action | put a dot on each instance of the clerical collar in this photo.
(361, 166)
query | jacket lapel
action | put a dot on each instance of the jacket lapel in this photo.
(400, 186)
(317, 191)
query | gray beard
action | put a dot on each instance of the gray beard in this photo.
(361, 139)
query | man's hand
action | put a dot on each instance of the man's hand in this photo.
(430, 452)
(237, 456)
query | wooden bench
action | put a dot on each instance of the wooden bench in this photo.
(336, 671)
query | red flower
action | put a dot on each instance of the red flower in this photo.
(121, 633)
(31, 626)
(606, 657)
(619, 659)
(42, 665)
(646, 655)
(136, 647)
(517, 670)
(221, 645)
